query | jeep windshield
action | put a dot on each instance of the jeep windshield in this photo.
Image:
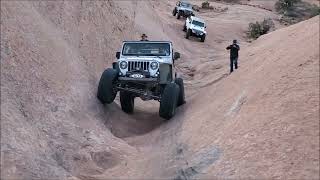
(186, 5)
(146, 49)
(197, 23)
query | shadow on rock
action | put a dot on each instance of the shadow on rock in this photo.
(123, 125)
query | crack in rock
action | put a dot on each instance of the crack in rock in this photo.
(198, 163)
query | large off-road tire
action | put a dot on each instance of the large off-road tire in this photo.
(174, 12)
(203, 38)
(179, 14)
(169, 100)
(106, 92)
(184, 27)
(188, 33)
(127, 101)
(181, 98)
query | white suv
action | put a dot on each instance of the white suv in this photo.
(195, 27)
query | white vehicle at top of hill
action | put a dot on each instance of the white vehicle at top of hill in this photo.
(183, 8)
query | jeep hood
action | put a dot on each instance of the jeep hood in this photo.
(147, 58)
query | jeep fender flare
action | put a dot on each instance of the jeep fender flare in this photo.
(165, 73)
(115, 66)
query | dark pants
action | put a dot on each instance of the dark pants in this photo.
(233, 60)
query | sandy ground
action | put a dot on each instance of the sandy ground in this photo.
(260, 122)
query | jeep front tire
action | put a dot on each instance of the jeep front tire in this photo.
(179, 14)
(181, 98)
(169, 100)
(106, 92)
(188, 33)
(203, 37)
(174, 12)
(127, 101)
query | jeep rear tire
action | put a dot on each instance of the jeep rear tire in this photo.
(127, 101)
(188, 33)
(203, 37)
(169, 100)
(181, 98)
(106, 92)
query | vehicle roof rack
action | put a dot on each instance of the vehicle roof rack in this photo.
(149, 41)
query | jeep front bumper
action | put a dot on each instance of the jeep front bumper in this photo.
(197, 32)
(129, 79)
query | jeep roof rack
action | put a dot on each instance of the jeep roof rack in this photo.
(149, 41)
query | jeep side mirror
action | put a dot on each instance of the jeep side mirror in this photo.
(176, 55)
(118, 55)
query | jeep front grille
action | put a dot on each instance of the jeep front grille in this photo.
(135, 65)
(197, 31)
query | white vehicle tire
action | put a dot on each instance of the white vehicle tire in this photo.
(203, 38)
(174, 12)
(179, 14)
(169, 100)
(188, 33)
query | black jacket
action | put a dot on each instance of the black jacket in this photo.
(234, 48)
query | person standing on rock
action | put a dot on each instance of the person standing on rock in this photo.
(234, 54)
(144, 37)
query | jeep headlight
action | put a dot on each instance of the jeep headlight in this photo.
(154, 65)
(123, 64)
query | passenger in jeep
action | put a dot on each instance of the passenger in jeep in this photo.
(144, 37)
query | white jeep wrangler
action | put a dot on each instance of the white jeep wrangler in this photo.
(183, 8)
(195, 27)
(144, 69)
